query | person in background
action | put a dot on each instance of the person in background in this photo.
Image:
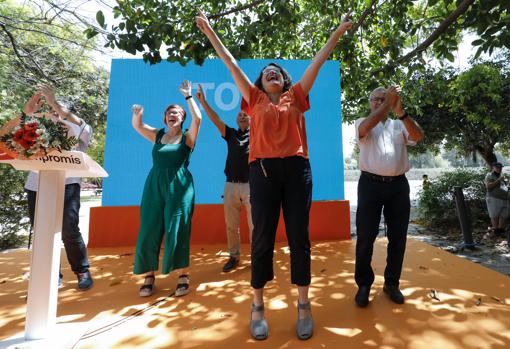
(425, 183)
(168, 196)
(76, 250)
(497, 198)
(237, 189)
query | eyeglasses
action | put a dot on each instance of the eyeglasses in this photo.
(267, 71)
(377, 99)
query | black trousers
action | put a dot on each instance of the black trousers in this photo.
(393, 199)
(286, 183)
(76, 250)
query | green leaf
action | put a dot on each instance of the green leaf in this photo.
(100, 19)
(90, 33)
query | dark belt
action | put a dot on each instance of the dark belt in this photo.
(378, 178)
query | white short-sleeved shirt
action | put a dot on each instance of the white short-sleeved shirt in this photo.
(383, 151)
(84, 133)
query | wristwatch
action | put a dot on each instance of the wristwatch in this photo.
(403, 117)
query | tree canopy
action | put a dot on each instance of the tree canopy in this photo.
(38, 45)
(389, 41)
(467, 111)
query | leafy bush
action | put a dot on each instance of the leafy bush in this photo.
(436, 203)
(13, 208)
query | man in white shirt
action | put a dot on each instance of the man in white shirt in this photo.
(382, 186)
(75, 247)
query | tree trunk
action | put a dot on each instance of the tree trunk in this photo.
(487, 154)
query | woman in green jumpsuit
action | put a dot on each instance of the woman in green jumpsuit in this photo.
(168, 195)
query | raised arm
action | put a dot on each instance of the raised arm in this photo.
(33, 104)
(143, 129)
(415, 131)
(49, 96)
(240, 78)
(211, 114)
(379, 114)
(310, 74)
(196, 115)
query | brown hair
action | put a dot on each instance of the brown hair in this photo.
(177, 106)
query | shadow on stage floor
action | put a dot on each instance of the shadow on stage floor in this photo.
(450, 302)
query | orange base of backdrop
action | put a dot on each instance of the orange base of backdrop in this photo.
(112, 226)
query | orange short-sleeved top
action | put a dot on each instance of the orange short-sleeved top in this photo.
(277, 130)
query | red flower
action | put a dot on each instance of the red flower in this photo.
(26, 143)
(18, 135)
(31, 126)
(30, 135)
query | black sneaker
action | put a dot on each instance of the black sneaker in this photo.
(362, 295)
(84, 281)
(499, 232)
(231, 264)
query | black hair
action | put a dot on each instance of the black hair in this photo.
(287, 79)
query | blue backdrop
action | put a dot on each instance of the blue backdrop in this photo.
(128, 155)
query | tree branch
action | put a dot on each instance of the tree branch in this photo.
(237, 9)
(79, 18)
(452, 17)
(21, 58)
(368, 11)
(51, 35)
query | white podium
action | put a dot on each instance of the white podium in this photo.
(41, 330)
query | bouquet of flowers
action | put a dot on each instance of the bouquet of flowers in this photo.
(29, 137)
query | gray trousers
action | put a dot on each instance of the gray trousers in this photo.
(234, 196)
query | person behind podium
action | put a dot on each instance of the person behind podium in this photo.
(168, 196)
(76, 250)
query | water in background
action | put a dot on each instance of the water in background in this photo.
(351, 191)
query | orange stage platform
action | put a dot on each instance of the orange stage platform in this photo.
(112, 226)
(450, 303)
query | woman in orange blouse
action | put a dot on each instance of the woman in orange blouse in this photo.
(280, 174)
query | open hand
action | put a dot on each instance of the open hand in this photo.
(48, 93)
(185, 88)
(33, 104)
